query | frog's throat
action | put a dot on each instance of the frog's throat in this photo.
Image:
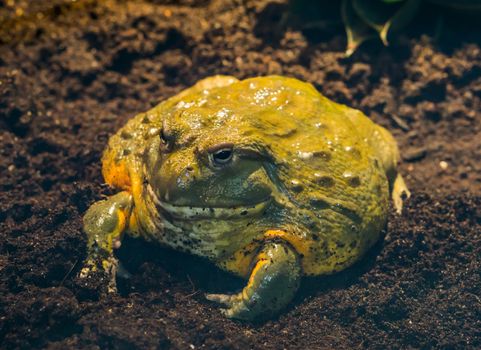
(202, 213)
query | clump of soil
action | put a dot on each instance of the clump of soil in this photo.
(72, 73)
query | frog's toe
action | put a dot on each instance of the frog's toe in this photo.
(111, 266)
(400, 192)
(224, 299)
(89, 268)
(96, 268)
(236, 306)
(238, 311)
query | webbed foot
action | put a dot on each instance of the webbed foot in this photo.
(271, 286)
(104, 224)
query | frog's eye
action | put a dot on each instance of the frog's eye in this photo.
(165, 141)
(221, 154)
(163, 138)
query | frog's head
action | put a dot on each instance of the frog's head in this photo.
(207, 163)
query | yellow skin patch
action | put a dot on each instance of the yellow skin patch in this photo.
(116, 174)
(227, 166)
(262, 261)
(116, 233)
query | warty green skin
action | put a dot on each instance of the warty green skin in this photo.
(305, 191)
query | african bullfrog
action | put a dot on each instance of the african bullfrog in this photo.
(265, 177)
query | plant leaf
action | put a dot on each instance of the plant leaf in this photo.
(375, 13)
(402, 17)
(386, 16)
(356, 30)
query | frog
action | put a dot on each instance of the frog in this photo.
(265, 177)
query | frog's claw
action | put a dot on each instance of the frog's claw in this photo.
(271, 286)
(104, 224)
(110, 266)
(224, 299)
(234, 304)
(399, 193)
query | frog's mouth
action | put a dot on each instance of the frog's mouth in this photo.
(200, 213)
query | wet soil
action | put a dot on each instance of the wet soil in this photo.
(72, 73)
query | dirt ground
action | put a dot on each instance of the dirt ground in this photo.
(72, 73)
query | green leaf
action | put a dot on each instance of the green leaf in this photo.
(356, 30)
(386, 16)
(375, 13)
(405, 14)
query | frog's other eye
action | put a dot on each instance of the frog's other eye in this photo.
(221, 155)
(163, 138)
(166, 141)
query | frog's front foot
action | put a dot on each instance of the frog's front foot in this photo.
(104, 224)
(271, 286)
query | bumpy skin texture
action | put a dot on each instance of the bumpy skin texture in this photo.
(265, 177)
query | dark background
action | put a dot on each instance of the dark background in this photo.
(72, 73)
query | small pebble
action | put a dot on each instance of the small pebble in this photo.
(444, 165)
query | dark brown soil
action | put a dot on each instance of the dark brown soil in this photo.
(72, 73)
